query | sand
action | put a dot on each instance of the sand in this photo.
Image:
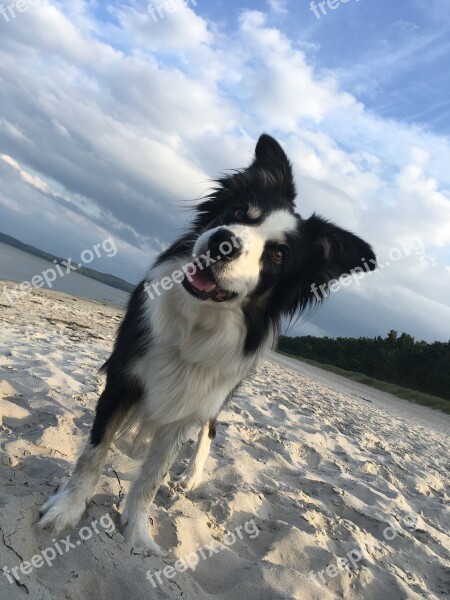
(316, 487)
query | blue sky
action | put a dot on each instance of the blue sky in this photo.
(393, 56)
(111, 123)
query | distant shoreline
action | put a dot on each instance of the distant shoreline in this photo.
(105, 278)
(61, 295)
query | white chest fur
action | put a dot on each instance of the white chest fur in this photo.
(196, 357)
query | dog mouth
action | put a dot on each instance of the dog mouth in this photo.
(203, 285)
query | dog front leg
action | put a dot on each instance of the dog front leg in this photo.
(65, 509)
(161, 453)
(192, 475)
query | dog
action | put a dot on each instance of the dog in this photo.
(196, 326)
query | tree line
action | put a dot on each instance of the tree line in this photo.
(398, 359)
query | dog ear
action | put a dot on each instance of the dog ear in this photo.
(334, 252)
(272, 159)
(268, 150)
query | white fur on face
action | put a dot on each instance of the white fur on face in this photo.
(241, 275)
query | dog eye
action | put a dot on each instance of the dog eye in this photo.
(240, 213)
(278, 255)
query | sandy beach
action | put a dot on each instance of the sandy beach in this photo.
(316, 487)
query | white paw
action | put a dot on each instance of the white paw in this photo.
(62, 511)
(188, 480)
(135, 532)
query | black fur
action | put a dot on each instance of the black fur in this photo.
(123, 391)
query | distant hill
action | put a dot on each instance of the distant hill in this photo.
(106, 278)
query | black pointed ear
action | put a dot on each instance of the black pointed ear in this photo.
(334, 252)
(268, 150)
(271, 157)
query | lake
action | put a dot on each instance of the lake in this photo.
(16, 265)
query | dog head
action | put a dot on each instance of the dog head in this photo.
(252, 248)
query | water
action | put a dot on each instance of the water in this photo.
(16, 265)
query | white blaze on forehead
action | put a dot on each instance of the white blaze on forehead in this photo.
(253, 238)
(276, 225)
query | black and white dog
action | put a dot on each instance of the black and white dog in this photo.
(195, 327)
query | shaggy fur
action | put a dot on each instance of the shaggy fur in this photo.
(198, 323)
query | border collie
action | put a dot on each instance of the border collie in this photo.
(197, 324)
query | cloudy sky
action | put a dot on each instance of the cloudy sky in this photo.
(114, 117)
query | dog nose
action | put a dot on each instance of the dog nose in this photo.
(224, 244)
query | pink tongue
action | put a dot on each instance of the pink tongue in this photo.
(202, 282)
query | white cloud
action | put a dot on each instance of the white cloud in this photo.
(27, 177)
(156, 28)
(278, 6)
(282, 88)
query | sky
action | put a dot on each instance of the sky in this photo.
(116, 116)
